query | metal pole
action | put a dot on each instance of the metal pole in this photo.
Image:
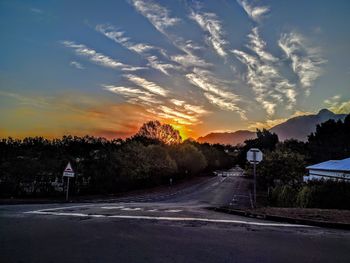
(67, 189)
(254, 183)
(254, 158)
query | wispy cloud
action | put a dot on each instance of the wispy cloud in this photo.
(142, 49)
(119, 37)
(161, 19)
(207, 82)
(153, 98)
(36, 10)
(76, 64)
(337, 105)
(306, 60)
(158, 15)
(154, 62)
(190, 60)
(99, 58)
(263, 76)
(182, 113)
(177, 102)
(148, 85)
(195, 109)
(256, 13)
(27, 100)
(214, 92)
(224, 104)
(210, 23)
(135, 96)
(258, 45)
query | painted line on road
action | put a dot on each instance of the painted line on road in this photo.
(131, 209)
(112, 207)
(162, 218)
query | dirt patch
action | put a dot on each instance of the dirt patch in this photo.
(322, 215)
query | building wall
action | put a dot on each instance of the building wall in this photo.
(326, 175)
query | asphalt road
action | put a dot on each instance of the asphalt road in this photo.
(166, 227)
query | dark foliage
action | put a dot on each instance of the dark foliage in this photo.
(330, 141)
(34, 166)
(314, 194)
(265, 141)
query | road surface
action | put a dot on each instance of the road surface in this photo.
(164, 227)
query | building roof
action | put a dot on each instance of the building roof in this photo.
(332, 165)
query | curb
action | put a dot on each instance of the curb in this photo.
(282, 218)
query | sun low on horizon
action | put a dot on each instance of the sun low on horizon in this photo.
(104, 68)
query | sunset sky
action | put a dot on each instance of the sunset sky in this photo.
(105, 67)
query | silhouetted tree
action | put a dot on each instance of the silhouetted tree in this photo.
(331, 140)
(162, 132)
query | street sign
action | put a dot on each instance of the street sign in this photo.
(68, 172)
(254, 155)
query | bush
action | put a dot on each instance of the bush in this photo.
(284, 196)
(314, 194)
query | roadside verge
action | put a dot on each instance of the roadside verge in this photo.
(266, 215)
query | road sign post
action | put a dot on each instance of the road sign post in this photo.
(254, 156)
(67, 192)
(68, 172)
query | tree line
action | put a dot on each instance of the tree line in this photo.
(33, 166)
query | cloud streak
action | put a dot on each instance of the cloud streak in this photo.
(213, 92)
(263, 76)
(210, 23)
(76, 64)
(306, 60)
(148, 85)
(142, 49)
(158, 15)
(98, 58)
(134, 95)
(160, 18)
(256, 13)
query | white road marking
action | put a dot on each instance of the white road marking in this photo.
(112, 207)
(182, 219)
(173, 210)
(152, 210)
(131, 209)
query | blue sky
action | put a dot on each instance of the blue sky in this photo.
(105, 67)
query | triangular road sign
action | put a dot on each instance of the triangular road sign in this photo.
(68, 168)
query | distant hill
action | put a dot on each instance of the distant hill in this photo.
(298, 128)
(232, 138)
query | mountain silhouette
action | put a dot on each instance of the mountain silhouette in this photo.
(294, 128)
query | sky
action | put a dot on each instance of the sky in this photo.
(104, 68)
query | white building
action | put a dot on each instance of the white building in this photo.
(329, 170)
